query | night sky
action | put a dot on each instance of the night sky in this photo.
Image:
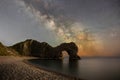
(94, 25)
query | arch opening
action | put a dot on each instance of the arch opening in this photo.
(65, 54)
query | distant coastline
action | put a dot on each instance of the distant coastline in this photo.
(101, 57)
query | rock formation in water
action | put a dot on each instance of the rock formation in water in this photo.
(44, 50)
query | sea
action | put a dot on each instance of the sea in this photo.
(86, 68)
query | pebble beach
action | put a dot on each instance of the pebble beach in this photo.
(13, 68)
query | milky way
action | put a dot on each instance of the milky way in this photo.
(92, 24)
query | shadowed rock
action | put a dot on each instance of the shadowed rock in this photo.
(44, 51)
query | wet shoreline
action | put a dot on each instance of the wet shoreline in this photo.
(49, 70)
(17, 68)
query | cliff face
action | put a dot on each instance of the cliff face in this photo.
(44, 50)
(31, 48)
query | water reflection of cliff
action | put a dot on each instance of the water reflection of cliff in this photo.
(65, 65)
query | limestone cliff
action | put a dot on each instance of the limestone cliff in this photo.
(44, 50)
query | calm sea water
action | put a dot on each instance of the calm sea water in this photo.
(87, 68)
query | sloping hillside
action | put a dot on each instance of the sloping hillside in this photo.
(5, 51)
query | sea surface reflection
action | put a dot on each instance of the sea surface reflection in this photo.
(87, 68)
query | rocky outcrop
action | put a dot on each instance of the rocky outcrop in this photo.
(44, 50)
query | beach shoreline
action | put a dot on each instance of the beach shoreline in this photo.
(17, 68)
(49, 70)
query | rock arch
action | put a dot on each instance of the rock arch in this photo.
(44, 51)
(71, 48)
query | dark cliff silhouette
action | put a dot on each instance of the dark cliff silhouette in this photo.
(44, 51)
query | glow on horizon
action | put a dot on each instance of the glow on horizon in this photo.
(93, 25)
(88, 44)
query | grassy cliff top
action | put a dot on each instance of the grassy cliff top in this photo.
(5, 51)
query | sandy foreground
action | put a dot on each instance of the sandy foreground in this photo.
(13, 68)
